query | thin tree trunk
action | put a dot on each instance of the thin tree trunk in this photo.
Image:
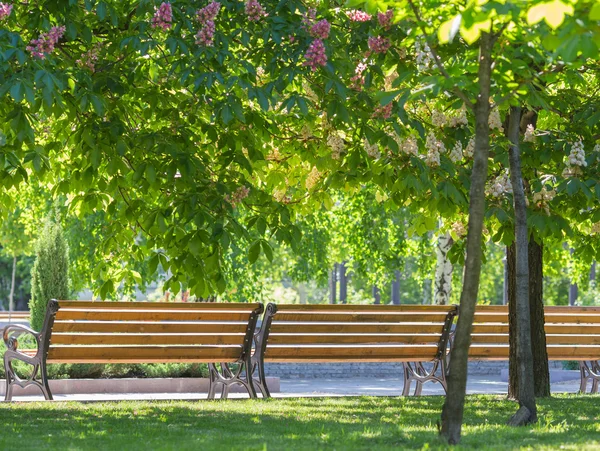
(527, 412)
(453, 410)
(443, 270)
(593, 272)
(333, 284)
(11, 296)
(343, 283)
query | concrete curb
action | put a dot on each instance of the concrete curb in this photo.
(132, 385)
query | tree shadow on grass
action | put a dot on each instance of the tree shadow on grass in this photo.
(292, 423)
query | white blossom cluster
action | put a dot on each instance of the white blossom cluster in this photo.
(438, 118)
(529, 134)
(596, 228)
(408, 145)
(423, 54)
(494, 120)
(372, 149)
(461, 119)
(312, 178)
(306, 133)
(280, 195)
(434, 147)
(542, 198)
(596, 148)
(499, 186)
(470, 149)
(456, 154)
(575, 160)
(336, 142)
(577, 155)
(459, 229)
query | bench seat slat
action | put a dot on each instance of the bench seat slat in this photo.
(354, 328)
(59, 338)
(379, 352)
(147, 327)
(276, 338)
(142, 354)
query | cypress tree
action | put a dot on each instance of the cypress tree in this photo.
(50, 272)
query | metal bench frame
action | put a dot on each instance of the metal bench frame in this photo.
(219, 374)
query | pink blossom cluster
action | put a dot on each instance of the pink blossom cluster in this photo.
(315, 55)
(89, 58)
(321, 29)
(255, 11)
(44, 45)
(358, 80)
(385, 19)
(237, 196)
(163, 16)
(5, 10)
(357, 15)
(206, 16)
(379, 44)
(308, 18)
(383, 112)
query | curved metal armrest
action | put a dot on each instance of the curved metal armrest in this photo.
(11, 341)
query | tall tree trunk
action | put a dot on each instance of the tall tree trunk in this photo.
(443, 270)
(593, 272)
(453, 410)
(541, 372)
(343, 283)
(396, 288)
(573, 294)
(527, 412)
(11, 296)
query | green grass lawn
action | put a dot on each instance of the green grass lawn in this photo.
(567, 422)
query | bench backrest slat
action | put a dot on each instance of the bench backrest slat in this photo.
(138, 332)
(370, 333)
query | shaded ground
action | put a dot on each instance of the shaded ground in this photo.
(567, 422)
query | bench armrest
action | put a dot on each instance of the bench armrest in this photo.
(11, 340)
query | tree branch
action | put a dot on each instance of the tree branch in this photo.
(437, 59)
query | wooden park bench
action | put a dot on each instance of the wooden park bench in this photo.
(572, 333)
(219, 334)
(357, 333)
(14, 317)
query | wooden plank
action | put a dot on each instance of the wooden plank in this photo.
(574, 318)
(585, 329)
(159, 305)
(143, 354)
(569, 352)
(329, 353)
(352, 338)
(146, 339)
(490, 328)
(150, 315)
(488, 352)
(148, 327)
(489, 338)
(384, 317)
(367, 308)
(573, 339)
(348, 328)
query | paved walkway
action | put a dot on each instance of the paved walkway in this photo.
(293, 388)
